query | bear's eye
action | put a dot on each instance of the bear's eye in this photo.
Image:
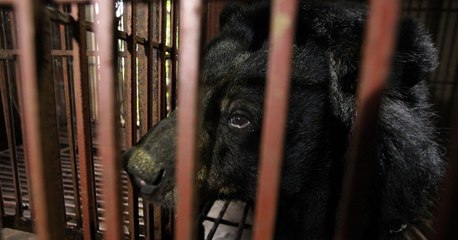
(239, 121)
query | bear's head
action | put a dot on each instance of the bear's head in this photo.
(325, 68)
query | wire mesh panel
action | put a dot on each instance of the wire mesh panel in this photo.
(75, 69)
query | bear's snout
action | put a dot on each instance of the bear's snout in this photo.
(144, 170)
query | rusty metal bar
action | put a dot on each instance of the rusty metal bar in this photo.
(39, 115)
(131, 112)
(14, 42)
(69, 102)
(275, 116)
(173, 52)
(162, 61)
(150, 64)
(8, 54)
(188, 120)
(142, 29)
(83, 125)
(9, 124)
(9, 127)
(149, 213)
(376, 62)
(108, 121)
(61, 53)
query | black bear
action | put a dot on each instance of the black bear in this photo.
(325, 68)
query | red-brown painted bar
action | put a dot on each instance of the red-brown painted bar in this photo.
(376, 62)
(83, 125)
(275, 116)
(188, 120)
(39, 115)
(131, 112)
(14, 34)
(108, 122)
(69, 101)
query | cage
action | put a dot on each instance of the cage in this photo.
(82, 81)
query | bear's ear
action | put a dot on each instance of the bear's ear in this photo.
(415, 55)
(341, 31)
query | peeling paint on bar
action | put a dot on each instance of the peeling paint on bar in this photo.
(275, 116)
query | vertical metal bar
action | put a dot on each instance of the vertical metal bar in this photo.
(83, 125)
(150, 57)
(142, 29)
(9, 122)
(188, 120)
(131, 112)
(450, 70)
(162, 60)
(376, 62)
(173, 53)
(147, 207)
(2, 212)
(39, 115)
(14, 42)
(10, 135)
(275, 116)
(108, 121)
(70, 129)
(442, 43)
(447, 207)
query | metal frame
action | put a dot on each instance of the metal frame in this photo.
(45, 158)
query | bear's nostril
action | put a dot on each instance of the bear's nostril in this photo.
(154, 181)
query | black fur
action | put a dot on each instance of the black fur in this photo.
(326, 60)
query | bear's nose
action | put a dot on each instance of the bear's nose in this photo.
(148, 187)
(146, 173)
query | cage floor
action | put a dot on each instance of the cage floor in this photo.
(224, 219)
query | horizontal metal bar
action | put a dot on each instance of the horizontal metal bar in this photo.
(73, 1)
(10, 54)
(376, 62)
(283, 22)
